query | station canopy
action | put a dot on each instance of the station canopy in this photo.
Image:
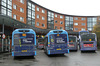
(8, 21)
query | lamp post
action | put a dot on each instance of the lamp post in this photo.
(2, 33)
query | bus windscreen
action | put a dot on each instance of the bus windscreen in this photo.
(72, 39)
(58, 38)
(88, 37)
(41, 40)
(23, 39)
(83, 33)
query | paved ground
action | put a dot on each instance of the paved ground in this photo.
(71, 59)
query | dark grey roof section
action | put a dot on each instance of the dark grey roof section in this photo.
(8, 21)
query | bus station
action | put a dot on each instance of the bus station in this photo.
(31, 34)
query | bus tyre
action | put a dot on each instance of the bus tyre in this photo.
(62, 54)
(76, 50)
(93, 50)
(44, 51)
(14, 57)
(81, 51)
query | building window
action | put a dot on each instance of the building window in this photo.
(15, 6)
(3, 3)
(3, 10)
(83, 24)
(82, 18)
(89, 19)
(61, 28)
(43, 11)
(55, 15)
(76, 18)
(61, 22)
(4, 0)
(37, 9)
(14, 16)
(22, 1)
(55, 21)
(22, 19)
(83, 29)
(37, 16)
(21, 10)
(43, 25)
(43, 18)
(61, 17)
(37, 23)
(51, 20)
(75, 23)
(76, 29)
(90, 29)
(9, 12)
(55, 27)
(67, 18)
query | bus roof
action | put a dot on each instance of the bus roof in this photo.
(55, 31)
(72, 36)
(89, 33)
(30, 30)
(84, 31)
(24, 29)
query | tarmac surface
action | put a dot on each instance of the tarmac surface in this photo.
(74, 58)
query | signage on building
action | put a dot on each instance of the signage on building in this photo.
(3, 36)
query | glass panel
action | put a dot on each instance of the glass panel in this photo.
(72, 39)
(67, 18)
(94, 23)
(66, 23)
(66, 28)
(87, 37)
(29, 11)
(3, 10)
(4, 4)
(71, 18)
(90, 29)
(33, 6)
(71, 24)
(29, 4)
(9, 13)
(89, 24)
(89, 19)
(29, 7)
(94, 19)
(10, 7)
(9, 2)
(4, 0)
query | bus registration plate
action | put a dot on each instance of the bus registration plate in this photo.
(59, 49)
(24, 50)
(88, 45)
(72, 45)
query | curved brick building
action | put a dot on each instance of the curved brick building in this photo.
(32, 15)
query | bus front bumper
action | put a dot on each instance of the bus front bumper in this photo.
(73, 48)
(24, 53)
(58, 51)
(89, 49)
